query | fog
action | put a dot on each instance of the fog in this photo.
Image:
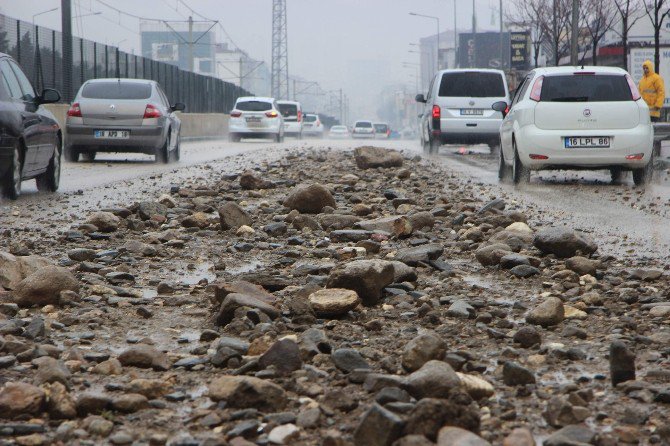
(356, 45)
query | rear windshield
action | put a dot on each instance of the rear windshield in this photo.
(585, 88)
(310, 118)
(366, 125)
(381, 127)
(116, 90)
(288, 110)
(472, 84)
(253, 106)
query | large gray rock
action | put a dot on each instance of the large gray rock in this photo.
(371, 157)
(422, 349)
(367, 277)
(309, 199)
(516, 240)
(14, 269)
(424, 253)
(379, 427)
(491, 255)
(148, 209)
(104, 221)
(517, 375)
(144, 356)
(44, 286)
(431, 414)
(550, 312)
(434, 379)
(284, 355)
(249, 181)
(455, 436)
(232, 216)
(233, 301)
(244, 392)
(564, 243)
(51, 370)
(403, 272)
(582, 265)
(337, 221)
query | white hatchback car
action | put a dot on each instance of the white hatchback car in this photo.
(255, 117)
(339, 132)
(363, 129)
(313, 126)
(585, 118)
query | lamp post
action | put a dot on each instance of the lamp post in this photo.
(437, 19)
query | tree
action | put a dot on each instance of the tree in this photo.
(598, 16)
(556, 24)
(527, 14)
(628, 13)
(654, 8)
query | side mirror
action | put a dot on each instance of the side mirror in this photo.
(420, 98)
(49, 96)
(500, 106)
(179, 106)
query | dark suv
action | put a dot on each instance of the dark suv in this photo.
(30, 137)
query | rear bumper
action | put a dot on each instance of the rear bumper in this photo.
(469, 130)
(292, 128)
(363, 135)
(241, 128)
(142, 138)
(551, 143)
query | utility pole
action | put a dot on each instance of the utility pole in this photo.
(280, 84)
(455, 39)
(502, 61)
(190, 43)
(341, 107)
(574, 51)
(66, 26)
(474, 36)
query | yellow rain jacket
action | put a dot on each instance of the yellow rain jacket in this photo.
(652, 89)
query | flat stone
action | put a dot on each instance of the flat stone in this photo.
(247, 392)
(333, 302)
(348, 360)
(548, 313)
(423, 253)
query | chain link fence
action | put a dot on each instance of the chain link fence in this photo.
(39, 51)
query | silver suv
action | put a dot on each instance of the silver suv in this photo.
(458, 108)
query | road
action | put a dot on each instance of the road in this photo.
(624, 218)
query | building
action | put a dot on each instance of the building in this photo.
(237, 67)
(174, 43)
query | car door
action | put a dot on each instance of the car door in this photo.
(172, 120)
(27, 109)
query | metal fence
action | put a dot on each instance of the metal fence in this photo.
(39, 51)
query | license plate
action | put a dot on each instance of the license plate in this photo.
(597, 142)
(472, 112)
(112, 134)
(253, 119)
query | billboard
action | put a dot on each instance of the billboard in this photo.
(520, 55)
(639, 55)
(482, 50)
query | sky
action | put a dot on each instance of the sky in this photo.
(329, 41)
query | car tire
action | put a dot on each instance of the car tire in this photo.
(71, 155)
(88, 156)
(434, 146)
(176, 153)
(50, 180)
(616, 173)
(11, 183)
(162, 153)
(642, 177)
(520, 173)
(504, 171)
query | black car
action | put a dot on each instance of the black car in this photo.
(31, 140)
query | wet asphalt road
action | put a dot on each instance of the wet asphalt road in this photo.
(625, 219)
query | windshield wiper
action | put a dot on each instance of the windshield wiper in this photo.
(571, 99)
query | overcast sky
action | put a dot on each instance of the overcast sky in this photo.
(325, 36)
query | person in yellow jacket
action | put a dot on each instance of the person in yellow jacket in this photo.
(652, 89)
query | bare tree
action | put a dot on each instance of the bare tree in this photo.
(598, 16)
(654, 9)
(555, 20)
(628, 11)
(527, 15)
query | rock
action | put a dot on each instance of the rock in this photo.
(138, 248)
(491, 255)
(92, 403)
(348, 360)
(104, 221)
(232, 216)
(144, 356)
(247, 392)
(519, 437)
(44, 286)
(284, 355)
(647, 275)
(233, 301)
(284, 434)
(333, 302)
(81, 254)
(413, 440)
(249, 181)
(564, 243)
(434, 379)
(335, 222)
(527, 337)
(301, 222)
(148, 209)
(196, 220)
(275, 229)
(98, 426)
(455, 436)
(150, 388)
(50, 370)
(378, 427)
(223, 289)
(423, 253)
(109, 367)
(622, 363)
(524, 271)
(515, 239)
(398, 225)
(14, 269)
(576, 434)
(516, 375)
(422, 220)
(560, 412)
(370, 157)
(421, 349)
(661, 311)
(17, 398)
(367, 277)
(430, 414)
(130, 402)
(310, 199)
(550, 312)
(509, 261)
(244, 231)
(167, 200)
(403, 272)
(574, 313)
(461, 309)
(475, 386)
(582, 265)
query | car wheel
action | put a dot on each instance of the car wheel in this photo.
(88, 156)
(71, 155)
(520, 173)
(176, 154)
(162, 153)
(434, 146)
(504, 171)
(642, 177)
(50, 180)
(11, 183)
(617, 175)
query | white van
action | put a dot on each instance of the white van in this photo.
(291, 111)
(458, 109)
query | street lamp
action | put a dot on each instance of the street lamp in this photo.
(43, 12)
(437, 59)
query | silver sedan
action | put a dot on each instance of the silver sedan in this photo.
(122, 115)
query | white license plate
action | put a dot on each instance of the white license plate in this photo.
(597, 142)
(472, 112)
(112, 134)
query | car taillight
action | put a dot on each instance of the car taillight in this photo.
(235, 114)
(271, 114)
(534, 156)
(299, 116)
(536, 92)
(437, 112)
(318, 123)
(74, 110)
(634, 92)
(637, 156)
(151, 111)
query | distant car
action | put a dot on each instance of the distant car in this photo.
(122, 115)
(458, 108)
(30, 137)
(382, 131)
(576, 118)
(394, 134)
(339, 132)
(363, 129)
(313, 126)
(291, 111)
(255, 117)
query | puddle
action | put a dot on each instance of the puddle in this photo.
(480, 282)
(244, 267)
(201, 271)
(149, 293)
